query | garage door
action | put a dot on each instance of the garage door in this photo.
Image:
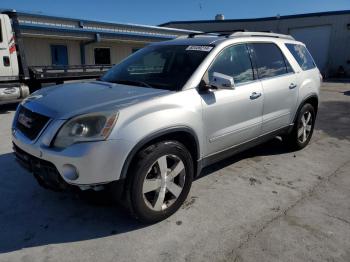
(317, 41)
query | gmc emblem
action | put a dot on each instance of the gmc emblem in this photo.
(25, 120)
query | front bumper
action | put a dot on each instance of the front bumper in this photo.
(45, 172)
(98, 162)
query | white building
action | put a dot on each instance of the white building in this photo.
(327, 34)
(49, 40)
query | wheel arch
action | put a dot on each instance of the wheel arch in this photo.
(182, 134)
(311, 99)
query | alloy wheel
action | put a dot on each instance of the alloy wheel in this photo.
(304, 127)
(164, 182)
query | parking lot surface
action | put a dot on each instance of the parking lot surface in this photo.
(267, 204)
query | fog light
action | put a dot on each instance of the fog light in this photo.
(70, 172)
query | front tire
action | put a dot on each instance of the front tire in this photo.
(303, 128)
(161, 180)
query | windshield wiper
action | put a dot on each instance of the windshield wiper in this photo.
(133, 82)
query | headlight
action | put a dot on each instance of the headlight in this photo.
(90, 127)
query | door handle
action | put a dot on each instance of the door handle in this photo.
(255, 95)
(292, 86)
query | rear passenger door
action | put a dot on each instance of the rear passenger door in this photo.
(279, 84)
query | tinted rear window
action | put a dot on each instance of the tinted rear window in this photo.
(302, 55)
(270, 60)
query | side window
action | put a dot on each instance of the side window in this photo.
(270, 60)
(233, 61)
(302, 55)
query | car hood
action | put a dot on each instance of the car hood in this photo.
(67, 100)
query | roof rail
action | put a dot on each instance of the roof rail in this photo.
(264, 34)
(237, 33)
(215, 33)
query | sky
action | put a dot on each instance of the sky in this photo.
(155, 12)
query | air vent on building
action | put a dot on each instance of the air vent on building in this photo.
(219, 17)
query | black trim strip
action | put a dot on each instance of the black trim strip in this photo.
(241, 147)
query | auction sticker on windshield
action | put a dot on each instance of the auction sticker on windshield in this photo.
(204, 48)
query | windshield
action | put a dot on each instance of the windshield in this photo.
(163, 66)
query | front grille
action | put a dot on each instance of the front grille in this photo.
(30, 123)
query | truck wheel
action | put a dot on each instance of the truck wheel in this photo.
(303, 128)
(161, 180)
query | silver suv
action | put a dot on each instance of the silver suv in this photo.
(146, 129)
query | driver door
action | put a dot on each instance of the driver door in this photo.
(232, 117)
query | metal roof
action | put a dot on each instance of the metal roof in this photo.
(260, 19)
(51, 28)
(40, 22)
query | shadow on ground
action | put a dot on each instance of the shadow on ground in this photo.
(32, 216)
(272, 147)
(334, 119)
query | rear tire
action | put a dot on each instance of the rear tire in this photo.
(161, 175)
(303, 128)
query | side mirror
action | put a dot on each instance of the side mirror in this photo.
(222, 81)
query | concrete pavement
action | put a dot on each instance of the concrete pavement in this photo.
(267, 204)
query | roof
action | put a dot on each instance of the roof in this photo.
(260, 19)
(41, 22)
(213, 40)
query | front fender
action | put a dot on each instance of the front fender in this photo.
(141, 123)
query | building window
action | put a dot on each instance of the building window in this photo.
(102, 56)
(59, 55)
